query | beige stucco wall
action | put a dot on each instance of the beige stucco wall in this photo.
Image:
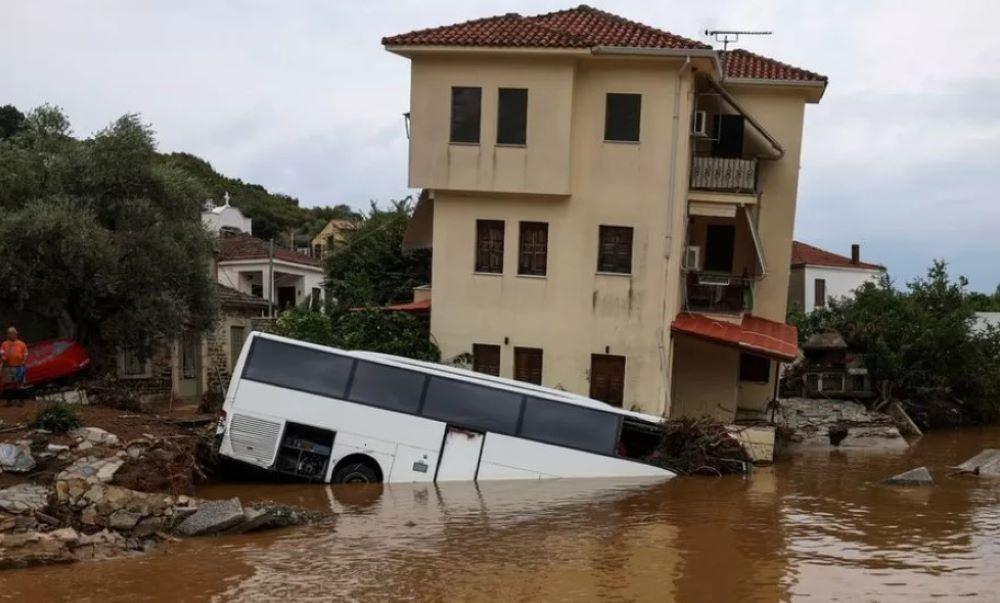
(706, 379)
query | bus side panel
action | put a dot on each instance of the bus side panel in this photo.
(556, 461)
(493, 471)
(413, 465)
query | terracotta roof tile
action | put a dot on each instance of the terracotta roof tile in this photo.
(233, 298)
(745, 64)
(245, 247)
(601, 28)
(803, 254)
(752, 334)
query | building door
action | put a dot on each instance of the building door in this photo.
(528, 365)
(607, 378)
(189, 365)
(286, 298)
(720, 242)
(486, 359)
(460, 455)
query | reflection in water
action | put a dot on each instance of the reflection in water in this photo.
(816, 525)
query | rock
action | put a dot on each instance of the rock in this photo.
(24, 498)
(986, 463)
(89, 516)
(211, 517)
(66, 535)
(47, 519)
(149, 526)
(91, 469)
(33, 548)
(16, 459)
(84, 445)
(73, 396)
(96, 436)
(914, 477)
(122, 520)
(253, 519)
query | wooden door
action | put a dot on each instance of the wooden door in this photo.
(486, 359)
(607, 378)
(528, 365)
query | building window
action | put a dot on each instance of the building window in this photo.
(512, 116)
(728, 136)
(819, 293)
(755, 368)
(489, 246)
(466, 103)
(607, 378)
(534, 248)
(131, 365)
(486, 359)
(528, 365)
(621, 117)
(237, 335)
(720, 242)
(257, 290)
(614, 252)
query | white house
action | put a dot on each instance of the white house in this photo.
(985, 320)
(281, 276)
(225, 218)
(817, 275)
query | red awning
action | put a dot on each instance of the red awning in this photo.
(753, 334)
(418, 307)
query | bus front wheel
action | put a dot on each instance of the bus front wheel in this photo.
(355, 473)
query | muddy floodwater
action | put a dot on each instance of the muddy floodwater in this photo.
(813, 526)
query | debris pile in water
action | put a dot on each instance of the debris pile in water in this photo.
(700, 447)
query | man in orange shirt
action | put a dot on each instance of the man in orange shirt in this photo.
(13, 355)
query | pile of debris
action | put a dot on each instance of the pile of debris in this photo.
(700, 447)
(89, 512)
(810, 422)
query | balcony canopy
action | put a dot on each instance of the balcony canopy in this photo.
(752, 334)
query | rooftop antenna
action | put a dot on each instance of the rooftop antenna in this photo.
(730, 36)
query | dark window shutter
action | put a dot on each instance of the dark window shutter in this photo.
(728, 136)
(486, 359)
(512, 116)
(489, 246)
(720, 242)
(621, 117)
(528, 365)
(614, 252)
(607, 378)
(466, 107)
(819, 299)
(533, 249)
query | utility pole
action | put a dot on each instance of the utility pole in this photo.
(270, 279)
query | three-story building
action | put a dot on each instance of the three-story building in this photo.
(610, 206)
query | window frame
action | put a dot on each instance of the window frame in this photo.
(819, 292)
(481, 264)
(603, 264)
(528, 354)
(751, 374)
(456, 122)
(492, 348)
(515, 116)
(609, 122)
(569, 409)
(528, 259)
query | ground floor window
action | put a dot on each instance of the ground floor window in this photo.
(132, 365)
(607, 378)
(486, 359)
(755, 368)
(528, 365)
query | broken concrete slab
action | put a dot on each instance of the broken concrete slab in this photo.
(72, 396)
(986, 463)
(757, 441)
(16, 458)
(96, 436)
(920, 476)
(24, 498)
(91, 469)
(212, 516)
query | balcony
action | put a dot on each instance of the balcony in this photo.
(724, 174)
(721, 293)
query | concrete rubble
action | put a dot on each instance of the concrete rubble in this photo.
(70, 396)
(814, 423)
(920, 476)
(986, 463)
(16, 458)
(83, 514)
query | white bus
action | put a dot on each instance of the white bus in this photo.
(329, 415)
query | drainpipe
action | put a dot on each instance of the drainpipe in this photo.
(668, 239)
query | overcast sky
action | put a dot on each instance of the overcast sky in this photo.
(902, 155)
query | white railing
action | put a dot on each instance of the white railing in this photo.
(724, 174)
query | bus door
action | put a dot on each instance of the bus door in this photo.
(459, 460)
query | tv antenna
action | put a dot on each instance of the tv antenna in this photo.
(730, 36)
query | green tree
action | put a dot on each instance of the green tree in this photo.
(95, 233)
(11, 121)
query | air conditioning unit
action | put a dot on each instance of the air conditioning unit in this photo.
(692, 258)
(699, 127)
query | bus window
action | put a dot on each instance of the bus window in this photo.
(473, 406)
(387, 387)
(298, 367)
(572, 426)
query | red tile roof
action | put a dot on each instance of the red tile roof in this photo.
(803, 254)
(753, 334)
(745, 64)
(580, 27)
(233, 298)
(245, 247)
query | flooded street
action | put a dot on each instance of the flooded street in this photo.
(816, 525)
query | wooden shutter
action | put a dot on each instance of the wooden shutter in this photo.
(528, 365)
(607, 378)
(466, 107)
(486, 359)
(614, 253)
(819, 299)
(534, 248)
(489, 246)
(512, 116)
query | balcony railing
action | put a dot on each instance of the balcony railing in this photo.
(724, 174)
(707, 292)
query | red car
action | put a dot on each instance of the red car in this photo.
(51, 360)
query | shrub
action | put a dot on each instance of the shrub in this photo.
(58, 418)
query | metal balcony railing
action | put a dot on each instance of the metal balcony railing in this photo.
(724, 174)
(708, 292)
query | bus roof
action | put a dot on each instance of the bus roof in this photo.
(468, 375)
